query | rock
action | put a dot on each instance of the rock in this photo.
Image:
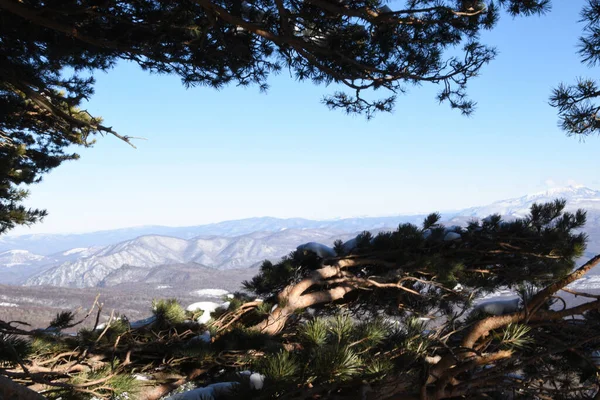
(319, 249)
(142, 322)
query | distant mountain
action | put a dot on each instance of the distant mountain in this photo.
(576, 196)
(179, 275)
(18, 265)
(230, 244)
(47, 244)
(13, 258)
(50, 244)
(133, 259)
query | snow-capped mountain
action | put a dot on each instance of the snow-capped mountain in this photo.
(13, 258)
(53, 244)
(17, 265)
(50, 244)
(132, 258)
(127, 260)
(576, 196)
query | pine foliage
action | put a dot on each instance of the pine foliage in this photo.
(483, 256)
(370, 50)
(168, 312)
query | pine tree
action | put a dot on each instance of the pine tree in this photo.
(413, 291)
(387, 273)
(578, 104)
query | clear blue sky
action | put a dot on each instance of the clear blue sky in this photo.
(235, 153)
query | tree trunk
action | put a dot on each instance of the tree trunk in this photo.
(277, 319)
(293, 297)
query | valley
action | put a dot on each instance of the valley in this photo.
(37, 305)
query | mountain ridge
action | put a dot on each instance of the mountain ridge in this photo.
(150, 251)
(46, 244)
(85, 267)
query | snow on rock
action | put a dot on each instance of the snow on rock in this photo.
(257, 381)
(207, 307)
(74, 251)
(210, 392)
(499, 307)
(319, 249)
(8, 305)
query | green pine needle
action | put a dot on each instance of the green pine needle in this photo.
(168, 312)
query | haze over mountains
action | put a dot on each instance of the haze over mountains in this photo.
(111, 258)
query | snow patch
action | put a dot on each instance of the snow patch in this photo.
(74, 251)
(257, 381)
(207, 307)
(587, 282)
(8, 305)
(163, 287)
(211, 292)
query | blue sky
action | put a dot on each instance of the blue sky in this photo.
(235, 153)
